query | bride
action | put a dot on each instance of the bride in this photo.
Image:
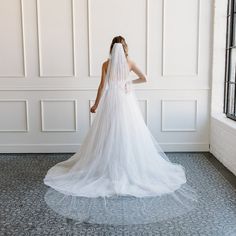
(120, 175)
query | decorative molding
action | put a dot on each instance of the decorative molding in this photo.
(41, 74)
(89, 39)
(163, 129)
(147, 39)
(74, 147)
(23, 40)
(26, 115)
(23, 45)
(73, 37)
(79, 88)
(58, 100)
(185, 147)
(163, 45)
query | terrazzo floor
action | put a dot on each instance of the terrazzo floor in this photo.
(23, 210)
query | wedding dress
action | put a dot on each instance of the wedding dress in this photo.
(120, 175)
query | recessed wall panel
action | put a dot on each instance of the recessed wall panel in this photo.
(55, 37)
(58, 115)
(179, 115)
(11, 39)
(180, 37)
(109, 18)
(14, 115)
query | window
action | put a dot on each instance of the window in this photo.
(230, 62)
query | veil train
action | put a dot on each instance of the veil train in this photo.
(120, 175)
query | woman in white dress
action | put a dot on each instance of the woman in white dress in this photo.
(120, 174)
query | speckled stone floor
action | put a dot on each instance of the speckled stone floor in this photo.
(23, 210)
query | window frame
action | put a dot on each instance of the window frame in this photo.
(230, 46)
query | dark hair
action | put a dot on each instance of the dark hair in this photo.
(120, 39)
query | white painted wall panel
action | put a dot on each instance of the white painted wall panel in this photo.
(179, 115)
(55, 37)
(65, 43)
(11, 39)
(14, 115)
(180, 37)
(223, 135)
(108, 18)
(58, 115)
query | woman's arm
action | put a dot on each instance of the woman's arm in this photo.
(138, 72)
(100, 88)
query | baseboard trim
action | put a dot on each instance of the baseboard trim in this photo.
(71, 148)
(185, 147)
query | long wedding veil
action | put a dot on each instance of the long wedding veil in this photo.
(115, 209)
(118, 67)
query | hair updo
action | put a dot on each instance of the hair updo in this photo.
(120, 39)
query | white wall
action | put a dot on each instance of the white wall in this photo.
(222, 129)
(50, 62)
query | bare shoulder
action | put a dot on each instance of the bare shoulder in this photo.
(131, 64)
(105, 65)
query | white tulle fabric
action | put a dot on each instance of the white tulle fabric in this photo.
(120, 174)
